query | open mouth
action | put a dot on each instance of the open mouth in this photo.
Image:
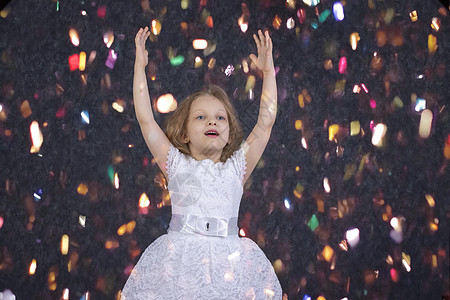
(212, 133)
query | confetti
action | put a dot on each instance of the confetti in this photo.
(73, 33)
(64, 244)
(166, 103)
(354, 39)
(426, 120)
(177, 60)
(108, 38)
(345, 73)
(343, 65)
(290, 23)
(36, 137)
(32, 268)
(244, 18)
(432, 44)
(74, 62)
(352, 236)
(311, 2)
(111, 60)
(338, 11)
(379, 132)
(199, 44)
(276, 22)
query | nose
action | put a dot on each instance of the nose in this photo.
(212, 122)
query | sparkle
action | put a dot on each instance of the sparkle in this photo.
(229, 70)
(352, 236)
(199, 44)
(73, 33)
(338, 11)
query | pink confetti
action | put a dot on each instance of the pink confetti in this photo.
(343, 65)
(101, 12)
(61, 113)
(301, 15)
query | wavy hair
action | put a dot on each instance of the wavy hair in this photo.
(177, 122)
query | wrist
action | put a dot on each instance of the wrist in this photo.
(271, 72)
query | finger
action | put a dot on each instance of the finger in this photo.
(141, 33)
(270, 45)
(138, 33)
(261, 38)
(144, 35)
(258, 44)
(267, 37)
(253, 58)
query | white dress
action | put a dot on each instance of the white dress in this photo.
(202, 256)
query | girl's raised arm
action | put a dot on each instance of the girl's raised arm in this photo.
(257, 140)
(154, 137)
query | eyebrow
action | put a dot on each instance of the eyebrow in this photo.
(220, 110)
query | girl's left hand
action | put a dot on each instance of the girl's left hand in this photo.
(264, 61)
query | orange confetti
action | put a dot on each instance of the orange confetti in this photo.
(210, 22)
(25, 109)
(82, 189)
(276, 22)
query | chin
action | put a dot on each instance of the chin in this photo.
(216, 145)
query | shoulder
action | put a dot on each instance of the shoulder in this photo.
(239, 162)
(174, 156)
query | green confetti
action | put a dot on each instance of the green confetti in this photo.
(57, 6)
(177, 60)
(397, 102)
(313, 223)
(111, 174)
(350, 170)
(324, 15)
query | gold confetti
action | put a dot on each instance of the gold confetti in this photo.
(276, 22)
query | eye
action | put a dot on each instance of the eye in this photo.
(221, 118)
(202, 117)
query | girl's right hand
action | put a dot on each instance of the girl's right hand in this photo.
(141, 53)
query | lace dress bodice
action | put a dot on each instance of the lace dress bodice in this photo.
(203, 187)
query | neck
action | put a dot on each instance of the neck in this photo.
(205, 153)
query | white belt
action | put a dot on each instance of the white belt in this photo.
(204, 225)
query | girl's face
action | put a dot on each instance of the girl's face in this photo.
(208, 126)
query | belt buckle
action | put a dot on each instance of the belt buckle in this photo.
(206, 226)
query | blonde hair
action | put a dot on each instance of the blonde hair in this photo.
(177, 122)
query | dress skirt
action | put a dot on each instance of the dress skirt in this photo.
(186, 266)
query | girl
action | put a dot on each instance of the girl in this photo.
(202, 256)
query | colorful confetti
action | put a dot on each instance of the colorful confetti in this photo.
(349, 200)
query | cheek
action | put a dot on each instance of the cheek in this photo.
(227, 131)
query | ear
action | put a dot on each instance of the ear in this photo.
(185, 138)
